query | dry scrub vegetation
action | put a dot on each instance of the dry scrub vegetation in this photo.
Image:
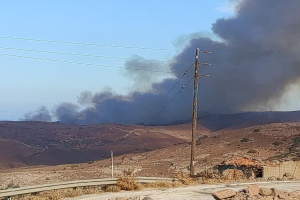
(60, 194)
(129, 183)
(124, 183)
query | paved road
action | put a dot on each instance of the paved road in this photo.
(197, 192)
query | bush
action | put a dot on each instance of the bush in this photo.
(112, 188)
(245, 140)
(277, 143)
(12, 185)
(128, 183)
(252, 151)
(256, 130)
(184, 178)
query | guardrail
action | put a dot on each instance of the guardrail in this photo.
(73, 184)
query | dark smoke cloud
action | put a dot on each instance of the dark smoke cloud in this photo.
(85, 98)
(140, 71)
(67, 112)
(254, 64)
(41, 114)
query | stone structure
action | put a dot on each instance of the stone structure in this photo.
(251, 169)
(289, 169)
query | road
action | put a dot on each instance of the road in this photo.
(197, 192)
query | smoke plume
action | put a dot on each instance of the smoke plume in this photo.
(41, 114)
(254, 62)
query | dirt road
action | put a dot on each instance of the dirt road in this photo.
(197, 192)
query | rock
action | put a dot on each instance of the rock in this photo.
(253, 190)
(272, 178)
(276, 192)
(239, 196)
(294, 194)
(265, 191)
(147, 198)
(282, 196)
(288, 174)
(233, 174)
(223, 194)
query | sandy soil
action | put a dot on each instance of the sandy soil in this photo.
(203, 192)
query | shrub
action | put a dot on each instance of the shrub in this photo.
(277, 143)
(61, 194)
(128, 183)
(184, 178)
(256, 130)
(252, 151)
(112, 188)
(245, 140)
(12, 185)
(162, 184)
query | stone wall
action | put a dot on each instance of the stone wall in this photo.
(247, 171)
(278, 171)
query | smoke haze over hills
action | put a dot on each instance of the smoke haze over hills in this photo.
(254, 63)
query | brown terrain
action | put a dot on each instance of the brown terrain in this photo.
(39, 152)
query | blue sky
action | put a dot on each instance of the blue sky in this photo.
(28, 83)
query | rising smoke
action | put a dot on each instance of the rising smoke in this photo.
(254, 62)
(41, 114)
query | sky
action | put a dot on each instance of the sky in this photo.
(27, 82)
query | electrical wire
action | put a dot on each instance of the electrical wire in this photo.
(87, 44)
(76, 54)
(115, 46)
(80, 63)
(182, 88)
(186, 71)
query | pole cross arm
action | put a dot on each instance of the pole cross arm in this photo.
(207, 75)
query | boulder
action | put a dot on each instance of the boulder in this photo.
(147, 198)
(253, 190)
(272, 178)
(276, 192)
(224, 194)
(265, 191)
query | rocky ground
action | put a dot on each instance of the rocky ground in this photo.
(203, 192)
(267, 144)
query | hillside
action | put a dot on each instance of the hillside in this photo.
(265, 143)
(40, 143)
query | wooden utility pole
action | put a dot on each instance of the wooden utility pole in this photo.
(195, 104)
(112, 163)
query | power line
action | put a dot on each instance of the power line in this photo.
(182, 88)
(77, 54)
(88, 44)
(146, 119)
(116, 46)
(80, 63)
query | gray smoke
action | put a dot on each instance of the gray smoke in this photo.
(41, 114)
(254, 62)
(67, 112)
(140, 71)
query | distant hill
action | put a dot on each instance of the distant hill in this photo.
(30, 143)
(241, 120)
(42, 143)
